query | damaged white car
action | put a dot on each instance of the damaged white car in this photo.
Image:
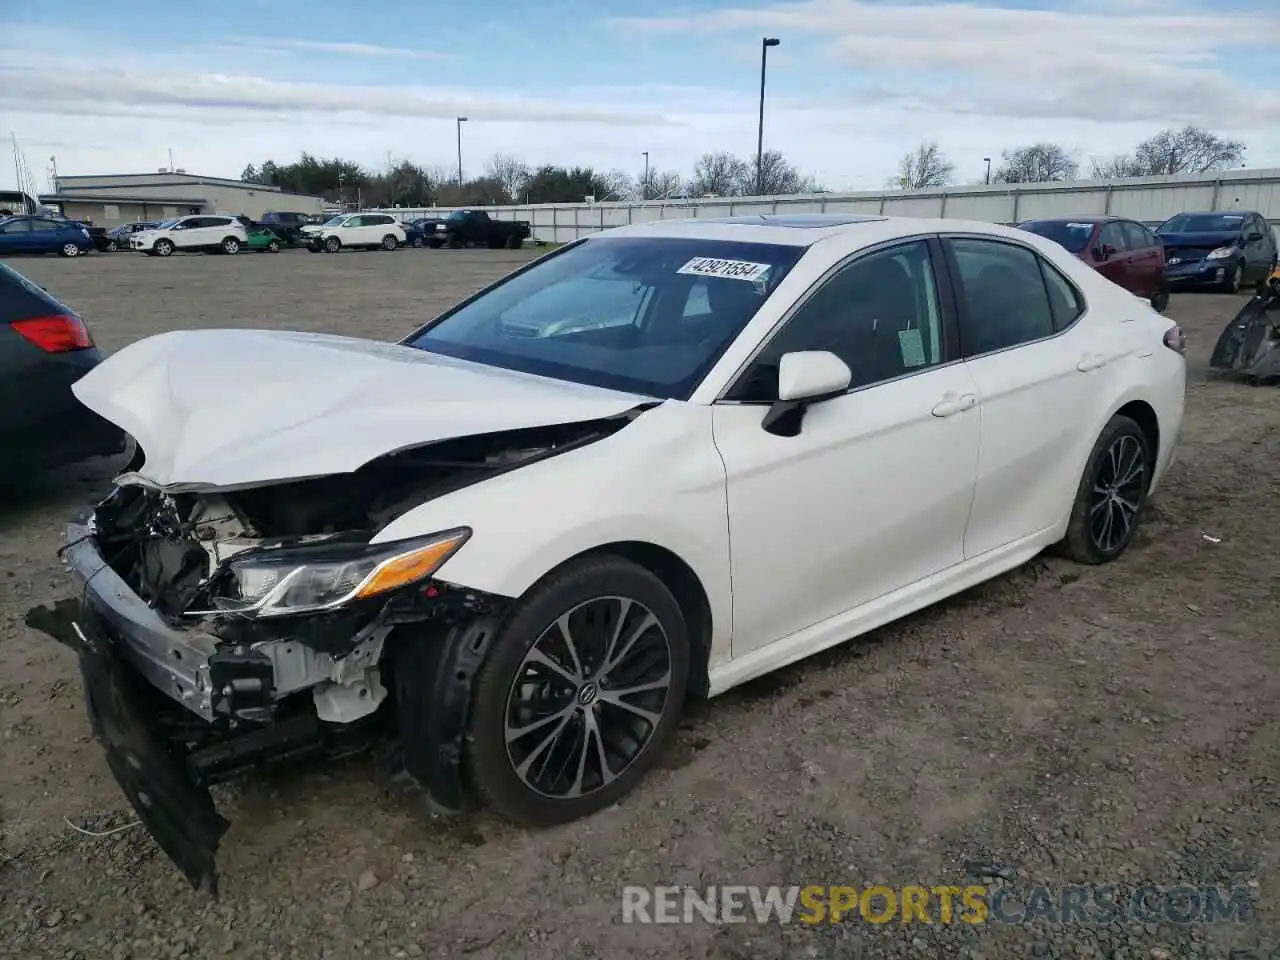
(655, 463)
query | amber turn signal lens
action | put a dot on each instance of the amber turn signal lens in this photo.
(412, 566)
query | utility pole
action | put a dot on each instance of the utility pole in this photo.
(644, 184)
(987, 160)
(461, 121)
(765, 44)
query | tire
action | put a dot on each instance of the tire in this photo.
(315, 248)
(69, 250)
(513, 242)
(1160, 299)
(389, 242)
(434, 244)
(332, 244)
(163, 248)
(590, 593)
(1231, 282)
(1087, 530)
(112, 246)
(230, 246)
(455, 243)
(273, 246)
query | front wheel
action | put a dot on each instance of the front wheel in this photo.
(1111, 494)
(581, 693)
(164, 248)
(1234, 278)
(273, 246)
(332, 244)
(513, 242)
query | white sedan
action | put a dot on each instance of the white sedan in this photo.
(656, 463)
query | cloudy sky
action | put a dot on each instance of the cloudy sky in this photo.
(114, 86)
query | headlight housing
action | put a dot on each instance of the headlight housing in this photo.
(1222, 253)
(276, 583)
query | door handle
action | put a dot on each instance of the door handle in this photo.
(1091, 361)
(951, 404)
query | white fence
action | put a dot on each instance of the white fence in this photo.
(1151, 200)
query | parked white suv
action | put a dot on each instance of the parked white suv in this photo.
(368, 230)
(198, 232)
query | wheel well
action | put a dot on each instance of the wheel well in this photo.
(1141, 413)
(689, 593)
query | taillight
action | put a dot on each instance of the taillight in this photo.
(56, 334)
(1175, 339)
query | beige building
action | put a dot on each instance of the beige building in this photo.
(125, 197)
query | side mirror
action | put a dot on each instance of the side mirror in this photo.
(804, 377)
(1106, 251)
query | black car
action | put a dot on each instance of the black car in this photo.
(286, 225)
(118, 237)
(45, 347)
(1225, 249)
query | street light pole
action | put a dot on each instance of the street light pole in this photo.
(461, 121)
(765, 44)
(644, 184)
(988, 162)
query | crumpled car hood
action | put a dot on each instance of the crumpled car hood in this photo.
(239, 408)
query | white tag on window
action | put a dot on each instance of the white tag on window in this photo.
(725, 269)
(912, 346)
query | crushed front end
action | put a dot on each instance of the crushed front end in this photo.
(1249, 345)
(222, 631)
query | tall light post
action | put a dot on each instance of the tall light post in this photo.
(765, 44)
(461, 121)
(644, 184)
(987, 161)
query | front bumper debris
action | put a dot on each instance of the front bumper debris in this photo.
(178, 813)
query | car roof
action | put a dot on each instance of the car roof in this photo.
(804, 230)
(1214, 213)
(1090, 218)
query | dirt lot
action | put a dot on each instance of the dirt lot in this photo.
(1113, 725)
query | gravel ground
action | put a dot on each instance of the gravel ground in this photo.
(1108, 725)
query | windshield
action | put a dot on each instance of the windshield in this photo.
(645, 315)
(1071, 234)
(1203, 223)
(166, 224)
(457, 215)
(334, 221)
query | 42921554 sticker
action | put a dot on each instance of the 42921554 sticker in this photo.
(725, 269)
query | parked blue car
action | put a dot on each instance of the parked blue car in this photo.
(1224, 249)
(26, 234)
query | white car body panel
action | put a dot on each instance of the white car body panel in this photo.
(890, 498)
(295, 405)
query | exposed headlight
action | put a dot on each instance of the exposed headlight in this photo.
(274, 583)
(441, 228)
(1221, 253)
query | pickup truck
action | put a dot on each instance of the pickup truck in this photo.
(465, 228)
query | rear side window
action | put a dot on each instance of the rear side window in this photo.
(1065, 302)
(1003, 295)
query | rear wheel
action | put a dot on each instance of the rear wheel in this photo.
(230, 246)
(389, 242)
(1111, 494)
(581, 693)
(70, 250)
(112, 246)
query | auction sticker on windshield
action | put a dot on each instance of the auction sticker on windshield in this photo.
(727, 269)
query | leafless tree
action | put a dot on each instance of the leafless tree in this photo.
(923, 167)
(1189, 150)
(1037, 163)
(776, 176)
(508, 170)
(617, 185)
(660, 185)
(719, 173)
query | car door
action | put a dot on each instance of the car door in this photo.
(45, 236)
(1258, 251)
(185, 234)
(1112, 259)
(212, 230)
(352, 231)
(1037, 371)
(15, 236)
(874, 492)
(1145, 259)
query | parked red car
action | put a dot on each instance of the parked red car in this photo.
(1123, 251)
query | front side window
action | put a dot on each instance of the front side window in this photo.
(1112, 236)
(879, 314)
(1136, 236)
(617, 312)
(1002, 296)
